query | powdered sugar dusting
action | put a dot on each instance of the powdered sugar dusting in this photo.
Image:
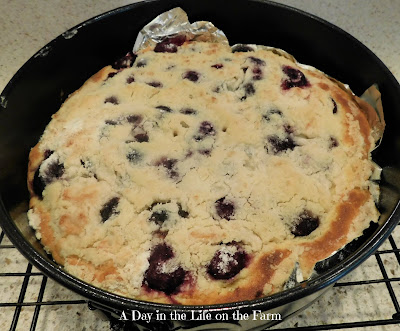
(168, 266)
(227, 258)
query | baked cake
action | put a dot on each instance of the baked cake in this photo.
(193, 174)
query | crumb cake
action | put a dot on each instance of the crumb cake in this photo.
(189, 173)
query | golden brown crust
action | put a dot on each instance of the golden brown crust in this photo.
(47, 234)
(336, 236)
(98, 272)
(342, 98)
(260, 272)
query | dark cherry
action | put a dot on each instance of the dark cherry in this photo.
(162, 281)
(271, 112)
(124, 62)
(155, 278)
(334, 106)
(333, 142)
(130, 79)
(112, 100)
(258, 74)
(243, 48)
(38, 182)
(54, 171)
(173, 174)
(47, 153)
(193, 76)
(155, 84)
(161, 252)
(111, 74)
(217, 66)
(304, 224)
(134, 156)
(225, 208)
(168, 164)
(164, 109)
(188, 111)
(159, 217)
(109, 209)
(207, 129)
(182, 213)
(134, 119)
(139, 134)
(249, 90)
(169, 45)
(206, 152)
(257, 61)
(295, 78)
(226, 264)
(278, 145)
(112, 122)
(142, 137)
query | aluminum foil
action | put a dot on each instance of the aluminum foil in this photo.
(175, 22)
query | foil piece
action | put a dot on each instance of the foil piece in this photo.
(370, 104)
(174, 22)
(295, 278)
(372, 98)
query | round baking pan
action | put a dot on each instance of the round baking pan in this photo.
(43, 83)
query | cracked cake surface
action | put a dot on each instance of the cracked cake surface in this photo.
(191, 174)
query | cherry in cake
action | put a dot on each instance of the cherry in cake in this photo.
(227, 262)
(225, 208)
(295, 78)
(163, 273)
(109, 209)
(54, 171)
(304, 224)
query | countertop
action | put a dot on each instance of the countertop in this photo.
(26, 26)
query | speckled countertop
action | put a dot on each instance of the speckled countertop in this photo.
(26, 26)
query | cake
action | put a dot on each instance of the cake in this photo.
(192, 174)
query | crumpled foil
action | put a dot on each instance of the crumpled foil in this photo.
(175, 22)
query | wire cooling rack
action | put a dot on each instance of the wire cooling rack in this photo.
(366, 299)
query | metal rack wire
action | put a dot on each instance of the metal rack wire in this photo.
(37, 300)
